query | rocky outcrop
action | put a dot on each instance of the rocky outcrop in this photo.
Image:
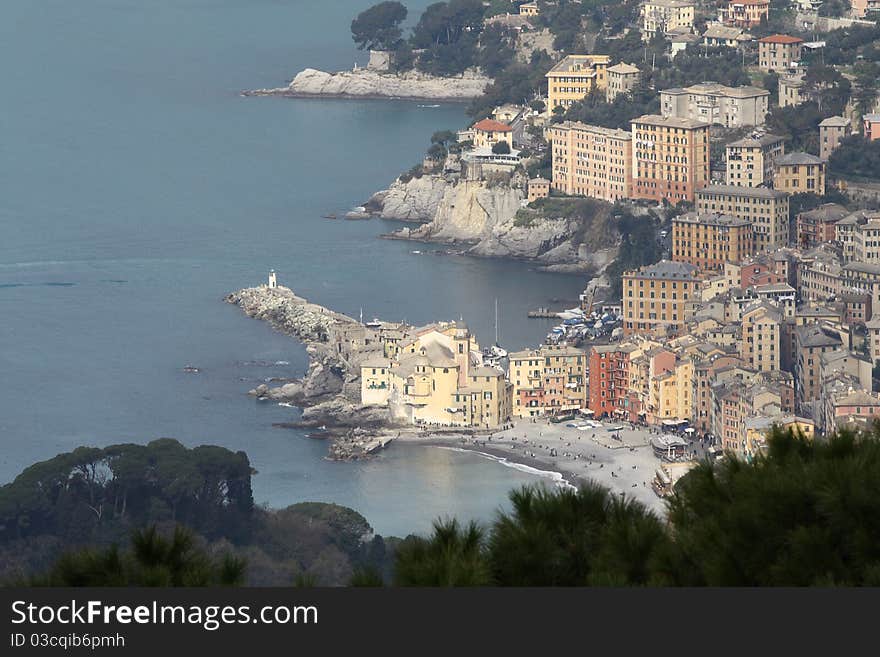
(415, 200)
(487, 217)
(366, 83)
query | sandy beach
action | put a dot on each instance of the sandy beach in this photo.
(625, 465)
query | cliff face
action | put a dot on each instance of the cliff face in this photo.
(365, 83)
(482, 216)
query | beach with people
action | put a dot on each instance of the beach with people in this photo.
(616, 455)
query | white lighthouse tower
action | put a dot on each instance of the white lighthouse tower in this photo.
(273, 279)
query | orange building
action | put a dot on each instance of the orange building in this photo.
(746, 13)
(670, 158)
(591, 161)
(707, 241)
(656, 296)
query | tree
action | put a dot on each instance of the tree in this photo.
(806, 514)
(501, 148)
(454, 555)
(856, 158)
(828, 88)
(152, 560)
(378, 28)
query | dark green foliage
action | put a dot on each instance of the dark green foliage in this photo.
(799, 124)
(574, 538)
(638, 247)
(856, 159)
(595, 110)
(518, 83)
(501, 148)
(448, 32)
(92, 493)
(770, 82)
(378, 28)
(152, 560)
(496, 50)
(454, 555)
(842, 46)
(828, 88)
(805, 514)
(834, 8)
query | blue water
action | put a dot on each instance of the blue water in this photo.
(137, 188)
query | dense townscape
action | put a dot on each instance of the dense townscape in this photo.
(750, 301)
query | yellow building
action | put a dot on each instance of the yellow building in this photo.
(574, 77)
(766, 209)
(538, 188)
(757, 429)
(778, 52)
(799, 173)
(435, 377)
(588, 160)
(529, 9)
(791, 90)
(750, 160)
(487, 133)
(656, 296)
(666, 16)
(760, 342)
(670, 158)
(707, 241)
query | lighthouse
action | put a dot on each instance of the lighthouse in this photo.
(273, 279)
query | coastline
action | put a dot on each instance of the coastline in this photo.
(285, 92)
(567, 456)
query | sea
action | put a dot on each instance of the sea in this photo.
(138, 187)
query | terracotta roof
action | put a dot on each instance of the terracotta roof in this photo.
(488, 125)
(781, 38)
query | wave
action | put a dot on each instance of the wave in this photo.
(557, 477)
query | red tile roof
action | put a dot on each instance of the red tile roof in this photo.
(488, 125)
(781, 38)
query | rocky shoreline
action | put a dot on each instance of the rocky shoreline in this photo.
(329, 392)
(366, 83)
(481, 218)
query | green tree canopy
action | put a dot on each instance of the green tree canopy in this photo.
(378, 28)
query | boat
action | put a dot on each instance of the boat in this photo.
(191, 369)
(374, 324)
(571, 313)
(328, 216)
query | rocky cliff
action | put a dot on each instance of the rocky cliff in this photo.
(366, 83)
(329, 393)
(486, 216)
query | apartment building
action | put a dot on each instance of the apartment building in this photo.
(746, 13)
(749, 161)
(575, 76)
(778, 52)
(670, 158)
(766, 209)
(871, 126)
(655, 296)
(811, 341)
(798, 173)
(548, 380)
(791, 90)
(666, 16)
(708, 240)
(819, 225)
(831, 131)
(591, 161)
(609, 378)
(487, 133)
(866, 240)
(622, 79)
(713, 103)
(761, 330)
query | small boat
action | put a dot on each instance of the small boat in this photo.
(328, 216)
(191, 369)
(571, 313)
(374, 324)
